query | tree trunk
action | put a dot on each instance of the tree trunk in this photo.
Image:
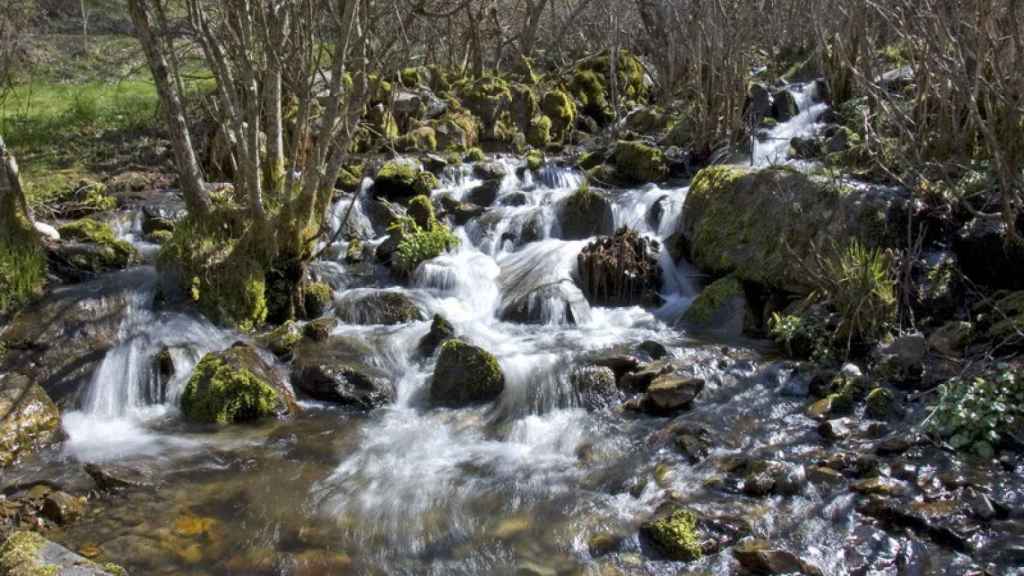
(13, 204)
(189, 174)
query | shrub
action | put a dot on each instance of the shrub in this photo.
(418, 244)
(977, 413)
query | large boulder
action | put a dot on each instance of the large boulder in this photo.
(584, 214)
(235, 385)
(620, 270)
(29, 554)
(58, 342)
(760, 225)
(89, 248)
(465, 375)
(638, 163)
(784, 106)
(28, 418)
(336, 371)
(379, 307)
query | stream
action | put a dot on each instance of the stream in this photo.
(534, 484)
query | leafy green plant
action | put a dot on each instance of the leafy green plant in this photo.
(975, 413)
(803, 336)
(418, 244)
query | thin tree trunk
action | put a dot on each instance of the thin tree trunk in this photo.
(189, 175)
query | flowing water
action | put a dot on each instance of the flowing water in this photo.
(521, 487)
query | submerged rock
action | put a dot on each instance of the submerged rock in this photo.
(465, 375)
(758, 557)
(63, 508)
(670, 393)
(621, 270)
(336, 371)
(28, 418)
(29, 554)
(112, 477)
(235, 386)
(595, 387)
(685, 535)
(379, 307)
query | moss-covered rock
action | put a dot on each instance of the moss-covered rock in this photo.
(441, 330)
(590, 85)
(337, 370)
(475, 155)
(719, 303)
(880, 404)
(676, 535)
(410, 244)
(281, 341)
(317, 298)
(422, 139)
(647, 120)
(379, 307)
(539, 134)
(640, 163)
(403, 179)
(421, 210)
(109, 253)
(29, 554)
(559, 107)
(584, 214)
(456, 130)
(534, 160)
(762, 225)
(234, 386)
(488, 98)
(465, 375)
(30, 420)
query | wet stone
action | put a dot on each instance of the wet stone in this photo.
(63, 508)
(758, 557)
(838, 429)
(112, 477)
(672, 393)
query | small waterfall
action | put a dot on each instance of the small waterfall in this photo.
(775, 148)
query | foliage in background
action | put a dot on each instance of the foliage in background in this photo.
(979, 413)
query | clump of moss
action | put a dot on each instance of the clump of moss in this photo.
(589, 89)
(590, 84)
(702, 311)
(558, 105)
(475, 155)
(589, 160)
(422, 139)
(425, 183)
(317, 297)
(283, 340)
(640, 162)
(222, 390)
(399, 179)
(534, 160)
(417, 244)
(422, 211)
(676, 534)
(114, 253)
(540, 131)
(410, 77)
(19, 556)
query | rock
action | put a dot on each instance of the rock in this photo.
(585, 214)
(838, 429)
(379, 307)
(639, 163)
(683, 534)
(29, 554)
(758, 557)
(113, 477)
(721, 307)
(879, 487)
(460, 212)
(515, 199)
(281, 342)
(320, 329)
(980, 504)
(485, 194)
(620, 270)
(640, 379)
(383, 214)
(441, 330)
(985, 256)
(465, 375)
(63, 508)
(490, 171)
(881, 404)
(892, 514)
(29, 419)
(951, 338)
(897, 79)
(902, 360)
(89, 248)
(670, 393)
(335, 371)
(654, 350)
(619, 364)
(760, 224)
(49, 232)
(403, 179)
(235, 386)
(693, 440)
(594, 387)
(805, 148)
(784, 106)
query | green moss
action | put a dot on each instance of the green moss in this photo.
(400, 171)
(219, 392)
(702, 311)
(422, 211)
(422, 139)
(115, 253)
(558, 105)
(589, 89)
(649, 119)
(453, 158)
(159, 236)
(318, 297)
(582, 199)
(640, 162)
(540, 131)
(589, 160)
(480, 365)
(114, 569)
(534, 160)
(426, 183)
(677, 535)
(418, 244)
(475, 155)
(283, 340)
(19, 556)
(22, 264)
(879, 403)
(410, 77)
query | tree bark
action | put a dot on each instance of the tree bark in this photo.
(189, 174)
